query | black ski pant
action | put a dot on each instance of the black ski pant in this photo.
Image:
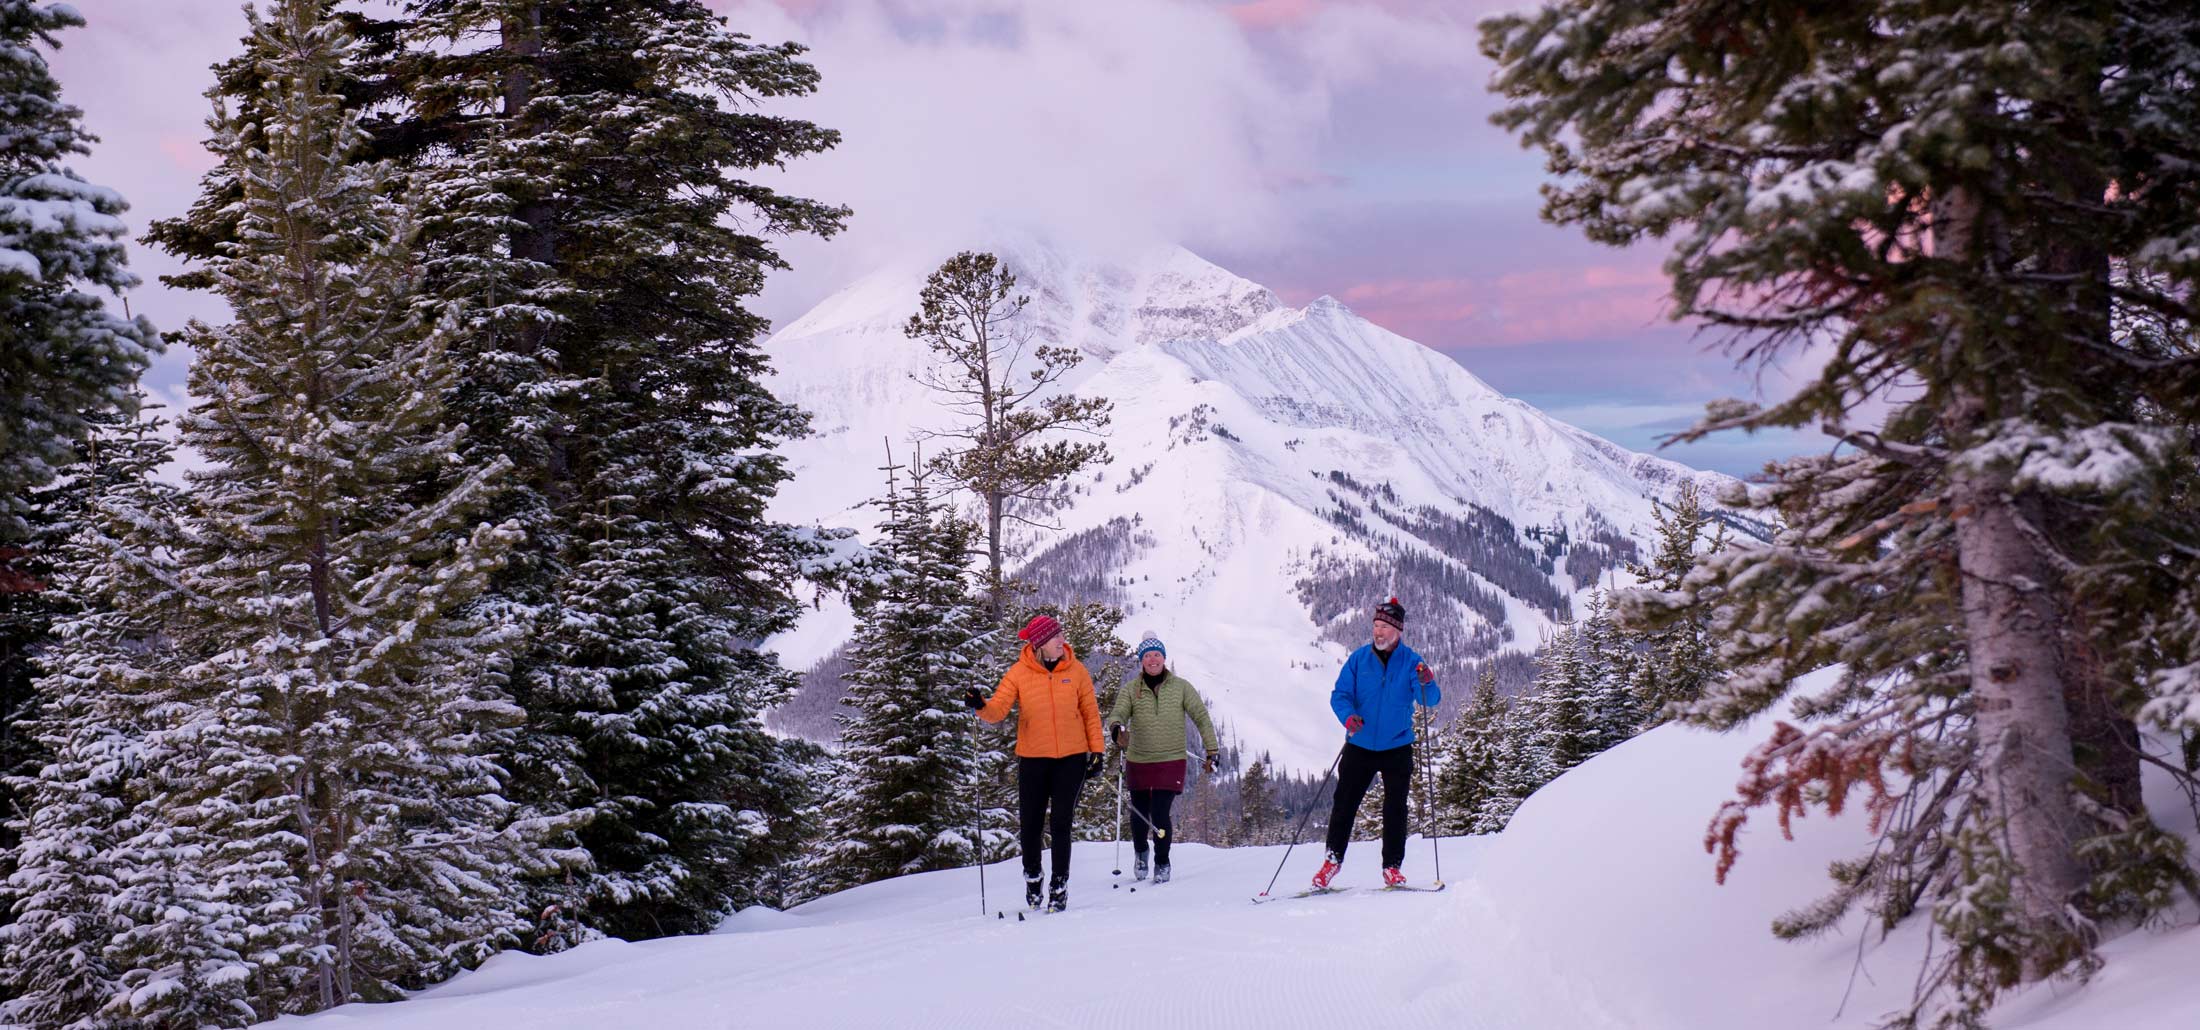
(1154, 806)
(1354, 773)
(1041, 782)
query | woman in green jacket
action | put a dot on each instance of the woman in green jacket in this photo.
(1150, 709)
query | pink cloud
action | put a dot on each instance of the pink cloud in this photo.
(1269, 14)
(1533, 306)
(186, 152)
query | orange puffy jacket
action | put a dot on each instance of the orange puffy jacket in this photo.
(1060, 716)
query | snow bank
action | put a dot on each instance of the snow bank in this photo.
(1596, 910)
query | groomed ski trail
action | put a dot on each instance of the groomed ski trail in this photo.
(916, 952)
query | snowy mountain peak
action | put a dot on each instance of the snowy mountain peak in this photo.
(1274, 471)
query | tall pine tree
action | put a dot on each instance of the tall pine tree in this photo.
(329, 821)
(1258, 815)
(580, 164)
(1968, 200)
(1609, 660)
(78, 806)
(1563, 700)
(67, 361)
(1468, 773)
(1677, 660)
(1009, 452)
(906, 799)
(1522, 767)
(68, 357)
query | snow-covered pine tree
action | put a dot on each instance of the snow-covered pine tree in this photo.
(68, 357)
(799, 833)
(1677, 659)
(77, 806)
(1522, 767)
(906, 799)
(1609, 660)
(67, 360)
(1967, 200)
(1468, 774)
(328, 820)
(1581, 702)
(580, 164)
(1562, 700)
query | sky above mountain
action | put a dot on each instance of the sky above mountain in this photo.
(1315, 146)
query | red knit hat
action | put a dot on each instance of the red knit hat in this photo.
(1039, 630)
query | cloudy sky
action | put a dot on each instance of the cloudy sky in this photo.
(1315, 146)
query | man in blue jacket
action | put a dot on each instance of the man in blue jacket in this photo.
(1374, 698)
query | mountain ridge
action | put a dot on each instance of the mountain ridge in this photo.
(1269, 465)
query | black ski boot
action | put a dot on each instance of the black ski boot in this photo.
(1138, 869)
(1058, 894)
(1161, 873)
(1032, 896)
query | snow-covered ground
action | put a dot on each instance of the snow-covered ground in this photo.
(1595, 910)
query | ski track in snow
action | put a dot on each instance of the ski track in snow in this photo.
(914, 952)
(1595, 910)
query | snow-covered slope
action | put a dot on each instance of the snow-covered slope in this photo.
(1595, 910)
(1270, 466)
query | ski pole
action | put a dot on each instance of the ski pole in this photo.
(1119, 818)
(1428, 790)
(977, 826)
(1303, 821)
(1141, 816)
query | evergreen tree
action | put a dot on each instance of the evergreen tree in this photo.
(67, 361)
(1198, 816)
(68, 358)
(579, 165)
(328, 821)
(1522, 767)
(1257, 813)
(1677, 659)
(1009, 453)
(1563, 701)
(1968, 200)
(906, 798)
(80, 803)
(1468, 774)
(1609, 664)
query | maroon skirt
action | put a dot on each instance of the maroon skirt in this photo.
(1168, 776)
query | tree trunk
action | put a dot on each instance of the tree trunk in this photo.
(2013, 630)
(2009, 618)
(521, 36)
(535, 240)
(996, 584)
(2104, 740)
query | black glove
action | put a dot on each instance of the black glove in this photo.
(1121, 732)
(974, 699)
(1094, 762)
(1214, 758)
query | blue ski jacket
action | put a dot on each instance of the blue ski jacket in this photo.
(1383, 695)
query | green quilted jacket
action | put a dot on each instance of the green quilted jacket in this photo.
(1156, 718)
